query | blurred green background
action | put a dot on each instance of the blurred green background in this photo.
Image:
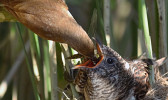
(32, 68)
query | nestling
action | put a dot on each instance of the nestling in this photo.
(114, 78)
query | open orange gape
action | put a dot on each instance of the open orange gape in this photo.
(93, 62)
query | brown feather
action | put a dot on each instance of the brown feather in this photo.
(51, 20)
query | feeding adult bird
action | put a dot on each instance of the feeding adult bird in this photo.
(113, 78)
(51, 19)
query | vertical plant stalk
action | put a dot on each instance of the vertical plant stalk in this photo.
(37, 66)
(93, 24)
(143, 23)
(162, 32)
(166, 7)
(37, 97)
(107, 27)
(151, 5)
(141, 43)
(53, 71)
(60, 70)
(68, 66)
(47, 65)
(100, 23)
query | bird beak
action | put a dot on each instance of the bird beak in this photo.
(87, 63)
(99, 46)
(99, 49)
(93, 62)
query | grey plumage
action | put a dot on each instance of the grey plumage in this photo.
(113, 78)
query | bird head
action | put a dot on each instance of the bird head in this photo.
(106, 57)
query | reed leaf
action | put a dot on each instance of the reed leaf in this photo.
(143, 24)
(37, 97)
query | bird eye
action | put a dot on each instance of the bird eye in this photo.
(110, 60)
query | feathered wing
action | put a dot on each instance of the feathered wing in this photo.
(141, 78)
(140, 70)
(50, 19)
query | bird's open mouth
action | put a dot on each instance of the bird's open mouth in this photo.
(93, 62)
